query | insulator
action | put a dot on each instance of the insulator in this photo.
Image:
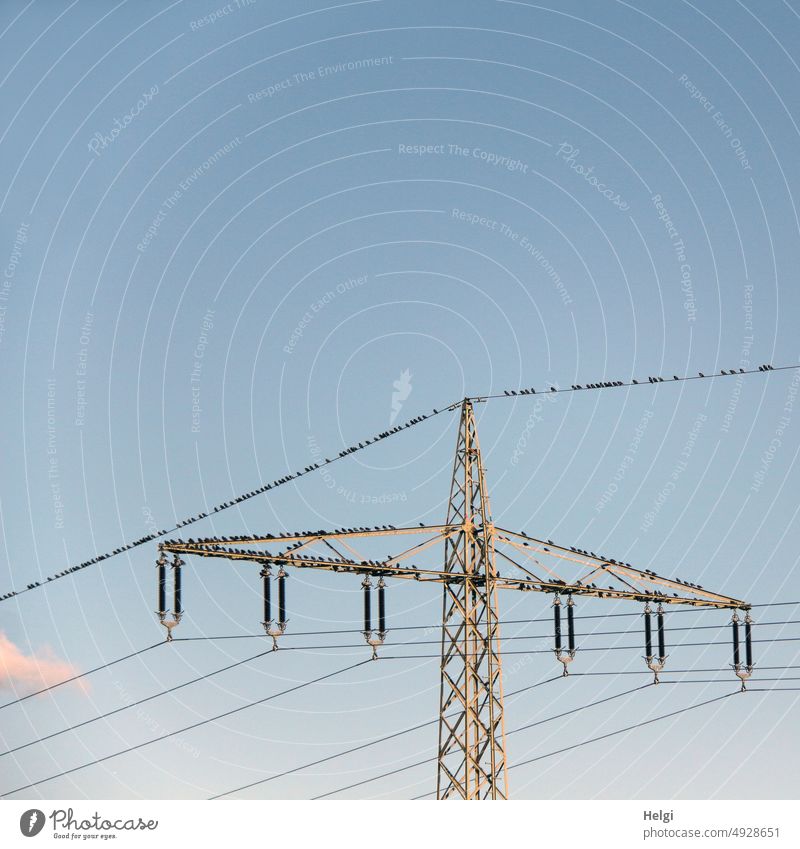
(282, 596)
(266, 578)
(571, 626)
(557, 624)
(662, 653)
(176, 578)
(162, 585)
(381, 607)
(367, 606)
(748, 642)
(648, 635)
(735, 635)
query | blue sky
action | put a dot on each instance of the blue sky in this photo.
(227, 232)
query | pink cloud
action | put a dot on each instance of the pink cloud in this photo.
(21, 672)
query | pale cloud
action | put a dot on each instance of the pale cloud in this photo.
(21, 672)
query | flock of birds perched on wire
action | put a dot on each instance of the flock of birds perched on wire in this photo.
(610, 384)
(344, 453)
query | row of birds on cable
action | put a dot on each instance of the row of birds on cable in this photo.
(310, 468)
(611, 561)
(382, 435)
(90, 562)
(290, 535)
(608, 384)
(223, 506)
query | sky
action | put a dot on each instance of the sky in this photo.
(231, 232)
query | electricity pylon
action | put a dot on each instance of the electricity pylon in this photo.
(471, 759)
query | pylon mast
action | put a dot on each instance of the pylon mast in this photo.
(462, 556)
(472, 761)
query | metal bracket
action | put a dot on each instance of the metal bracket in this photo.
(275, 632)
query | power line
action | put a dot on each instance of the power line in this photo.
(722, 681)
(505, 639)
(329, 646)
(356, 645)
(674, 671)
(139, 702)
(580, 648)
(182, 730)
(508, 734)
(361, 746)
(225, 505)
(365, 745)
(417, 728)
(775, 690)
(609, 734)
(640, 725)
(269, 651)
(502, 622)
(81, 675)
(626, 729)
(617, 384)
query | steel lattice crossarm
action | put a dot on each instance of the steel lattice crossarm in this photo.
(531, 563)
(463, 555)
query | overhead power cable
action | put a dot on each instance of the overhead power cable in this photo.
(225, 505)
(194, 725)
(80, 675)
(617, 384)
(539, 757)
(328, 647)
(505, 639)
(526, 727)
(333, 632)
(505, 652)
(106, 715)
(251, 658)
(360, 446)
(367, 745)
(425, 725)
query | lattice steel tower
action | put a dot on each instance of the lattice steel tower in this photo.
(461, 555)
(472, 760)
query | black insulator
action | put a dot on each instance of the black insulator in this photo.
(176, 607)
(661, 648)
(381, 609)
(267, 596)
(557, 625)
(571, 625)
(735, 635)
(367, 608)
(748, 643)
(281, 598)
(162, 588)
(648, 635)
